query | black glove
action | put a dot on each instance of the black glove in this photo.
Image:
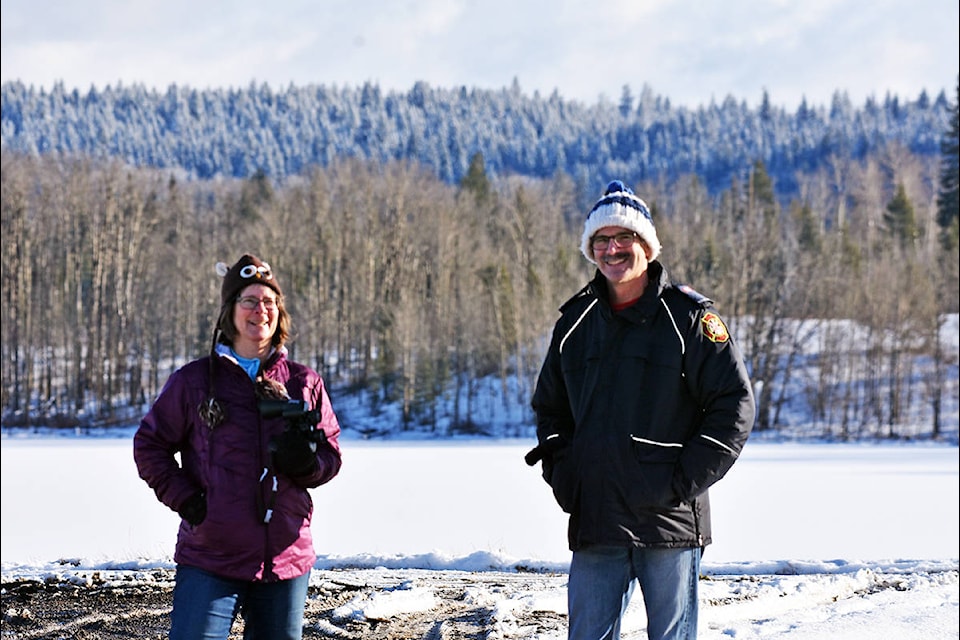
(293, 453)
(194, 510)
(545, 450)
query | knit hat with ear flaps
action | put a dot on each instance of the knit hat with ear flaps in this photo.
(619, 207)
(247, 270)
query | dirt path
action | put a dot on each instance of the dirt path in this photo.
(417, 604)
(106, 608)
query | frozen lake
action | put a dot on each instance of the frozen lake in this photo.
(81, 497)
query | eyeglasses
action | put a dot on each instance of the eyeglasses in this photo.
(620, 241)
(252, 302)
(250, 271)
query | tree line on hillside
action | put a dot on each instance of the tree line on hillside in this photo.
(236, 133)
(413, 289)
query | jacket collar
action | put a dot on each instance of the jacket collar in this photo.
(657, 281)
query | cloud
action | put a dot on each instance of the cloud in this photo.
(690, 53)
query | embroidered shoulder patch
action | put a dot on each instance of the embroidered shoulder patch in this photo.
(714, 328)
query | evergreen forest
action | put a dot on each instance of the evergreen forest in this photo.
(425, 241)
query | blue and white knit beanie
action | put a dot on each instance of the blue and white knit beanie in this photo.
(619, 207)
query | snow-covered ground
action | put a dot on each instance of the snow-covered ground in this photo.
(810, 540)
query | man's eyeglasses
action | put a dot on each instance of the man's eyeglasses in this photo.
(620, 241)
(252, 302)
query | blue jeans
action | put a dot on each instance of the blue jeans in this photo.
(205, 605)
(602, 580)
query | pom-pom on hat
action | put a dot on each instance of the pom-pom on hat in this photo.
(619, 207)
(247, 270)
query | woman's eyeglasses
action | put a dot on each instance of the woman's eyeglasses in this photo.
(252, 302)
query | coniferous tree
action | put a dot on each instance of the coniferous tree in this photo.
(476, 180)
(626, 101)
(900, 219)
(948, 206)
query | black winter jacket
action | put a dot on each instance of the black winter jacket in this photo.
(650, 407)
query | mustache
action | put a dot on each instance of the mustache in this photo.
(616, 256)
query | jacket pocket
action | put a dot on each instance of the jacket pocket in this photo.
(563, 480)
(650, 483)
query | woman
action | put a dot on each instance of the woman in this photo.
(253, 431)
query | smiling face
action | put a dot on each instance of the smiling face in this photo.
(257, 325)
(624, 267)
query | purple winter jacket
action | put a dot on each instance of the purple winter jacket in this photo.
(231, 464)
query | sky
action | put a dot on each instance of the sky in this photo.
(691, 53)
(811, 540)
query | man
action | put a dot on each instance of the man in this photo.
(642, 403)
